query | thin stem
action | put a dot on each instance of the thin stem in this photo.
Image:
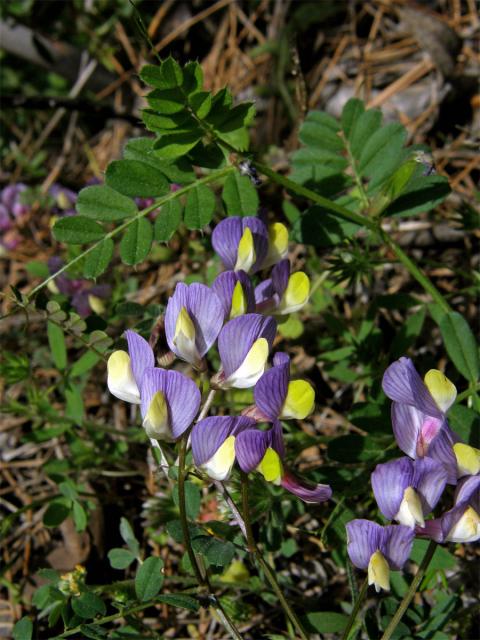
(356, 608)
(269, 573)
(411, 591)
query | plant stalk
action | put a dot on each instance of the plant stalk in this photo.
(254, 550)
(356, 608)
(411, 591)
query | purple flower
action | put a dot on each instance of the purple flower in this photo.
(407, 490)
(276, 396)
(64, 200)
(283, 293)
(241, 243)
(378, 549)
(235, 291)
(125, 370)
(193, 319)
(84, 296)
(213, 444)
(418, 413)
(244, 344)
(264, 451)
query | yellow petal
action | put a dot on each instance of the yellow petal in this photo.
(156, 421)
(296, 294)
(184, 325)
(410, 513)
(246, 252)
(443, 391)
(237, 572)
(300, 400)
(467, 529)
(220, 465)
(239, 301)
(251, 368)
(96, 304)
(379, 572)
(468, 459)
(271, 466)
(120, 380)
(184, 338)
(277, 244)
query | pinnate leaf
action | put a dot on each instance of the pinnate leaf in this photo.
(168, 220)
(199, 207)
(101, 202)
(136, 179)
(240, 196)
(77, 230)
(137, 241)
(98, 259)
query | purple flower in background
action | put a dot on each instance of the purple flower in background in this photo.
(125, 370)
(283, 293)
(213, 444)
(408, 490)
(244, 344)
(169, 403)
(241, 243)
(418, 413)
(235, 291)
(12, 209)
(193, 319)
(84, 296)
(276, 396)
(264, 451)
(462, 522)
(64, 200)
(378, 549)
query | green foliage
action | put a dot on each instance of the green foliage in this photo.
(240, 196)
(460, 345)
(149, 578)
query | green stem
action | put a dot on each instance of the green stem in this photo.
(253, 549)
(356, 608)
(468, 392)
(215, 175)
(411, 591)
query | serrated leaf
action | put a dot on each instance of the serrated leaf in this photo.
(460, 345)
(77, 230)
(239, 196)
(56, 341)
(136, 179)
(351, 112)
(103, 203)
(168, 220)
(199, 207)
(88, 605)
(174, 145)
(164, 76)
(98, 259)
(201, 103)
(149, 579)
(120, 558)
(172, 72)
(136, 242)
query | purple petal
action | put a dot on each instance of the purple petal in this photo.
(397, 544)
(429, 480)
(280, 276)
(204, 309)
(224, 285)
(468, 491)
(239, 334)
(141, 355)
(304, 491)
(432, 530)
(81, 303)
(407, 423)
(276, 438)
(264, 291)
(363, 539)
(181, 394)
(250, 447)
(389, 482)
(272, 388)
(227, 234)
(441, 449)
(208, 435)
(402, 383)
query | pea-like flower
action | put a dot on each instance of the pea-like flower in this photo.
(283, 292)
(264, 451)
(276, 396)
(244, 344)
(125, 370)
(213, 444)
(378, 549)
(468, 459)
(241, 243)
(235, 291)
(169, 403)
(408, 490)
(277, 244)
(193, 319)
(418, 413)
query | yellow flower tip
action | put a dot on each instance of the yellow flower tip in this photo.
(468, 459)
(300, 400)
(246, 255)
(410, 513)
(277, 244)
(251, 368)
(237, 572)
(120, 380)
(96, 304)
(220, 464)
(296, 294)
(271, 466)
(156, 421)
(379, 572)
(184, 325)
(442, 390)
(239, 301)
(467, 529)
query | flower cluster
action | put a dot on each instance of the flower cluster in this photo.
(232, 315)
(408, 489)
